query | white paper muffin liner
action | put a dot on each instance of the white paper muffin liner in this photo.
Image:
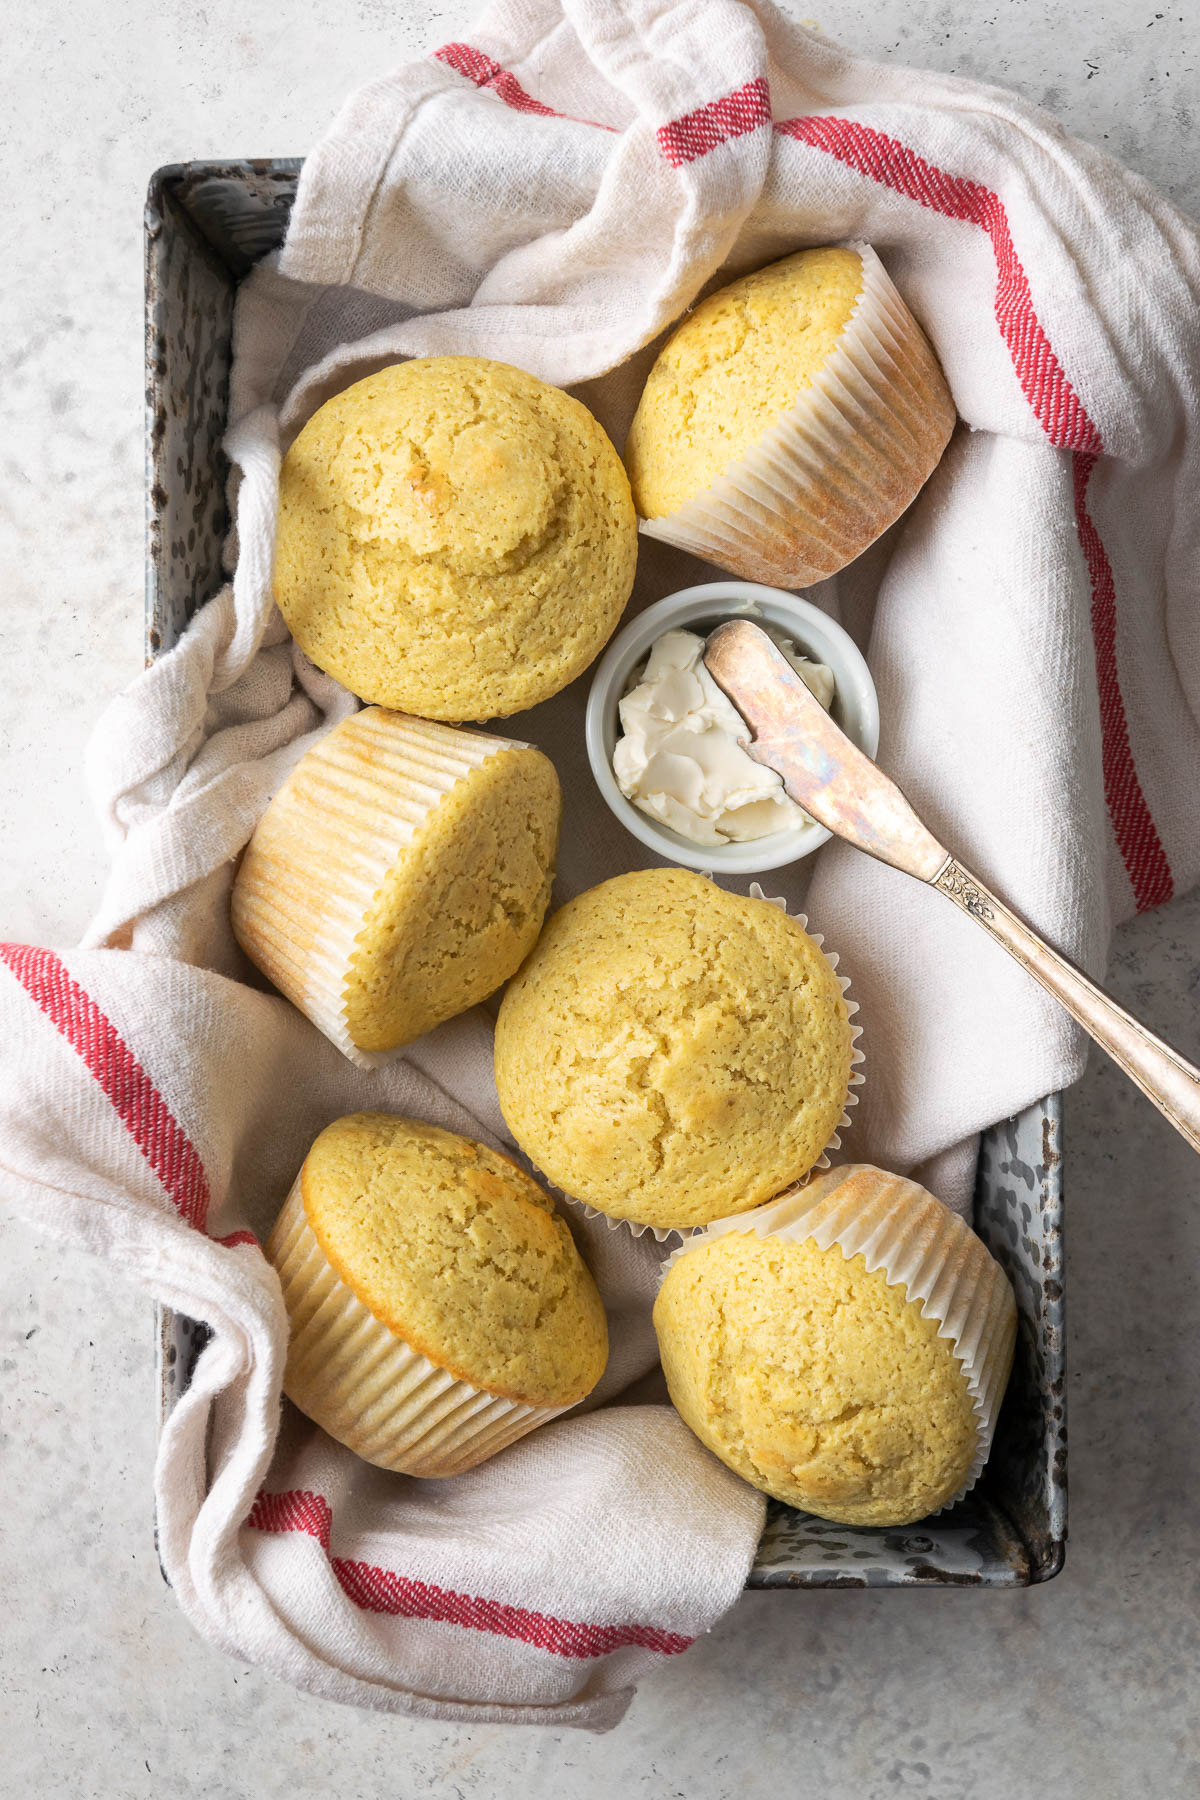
(834, 470)
(661, 1233)
(364, 1386)
(298, 917)
(919, 1243)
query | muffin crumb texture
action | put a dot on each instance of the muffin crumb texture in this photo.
(813, 1379)
(456, 538)
(738, 360)
(399, 876)
(456, 915)
(670, 1052)
(457, 1251)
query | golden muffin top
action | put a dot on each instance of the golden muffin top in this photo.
(456, 538)
(814, 1379)
(670, 1052)
(737, 361)
(459, 1253)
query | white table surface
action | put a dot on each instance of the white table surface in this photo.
(1084, 1688)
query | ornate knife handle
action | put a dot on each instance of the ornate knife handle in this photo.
(1162, 1075)
(788, 730)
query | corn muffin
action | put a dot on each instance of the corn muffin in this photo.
(456, 539)
(670, 1052)
(789, 419)
(438, 1307)
(399, 876)
(845, 1348)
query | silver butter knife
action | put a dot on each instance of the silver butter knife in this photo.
(788, 730)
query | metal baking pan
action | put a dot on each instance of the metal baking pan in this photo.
(207, 223)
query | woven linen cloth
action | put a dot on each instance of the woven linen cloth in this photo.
(554, 193)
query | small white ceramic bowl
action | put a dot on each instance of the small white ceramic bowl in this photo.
(702, 609)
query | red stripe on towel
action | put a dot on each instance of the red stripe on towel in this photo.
(732, 116)
(1065, 420)
(137, 1102)
(383, 1591)
(465, 60)
(135, 1099)
(1057, 406)
(1141, 848)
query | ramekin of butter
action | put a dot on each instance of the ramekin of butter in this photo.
(663, 741)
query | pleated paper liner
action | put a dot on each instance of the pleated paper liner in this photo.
(919, 1243)
(839, 466)
(298, 912)
(364, 1386)
(660, 1233)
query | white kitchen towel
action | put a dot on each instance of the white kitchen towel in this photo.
(554, 192)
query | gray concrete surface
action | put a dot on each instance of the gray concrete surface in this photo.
(1084, 1688)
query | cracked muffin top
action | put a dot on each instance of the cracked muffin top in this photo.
(457, 1251)
(738, 359)
(670, 1053)
(456, 538)
(819, 1380)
